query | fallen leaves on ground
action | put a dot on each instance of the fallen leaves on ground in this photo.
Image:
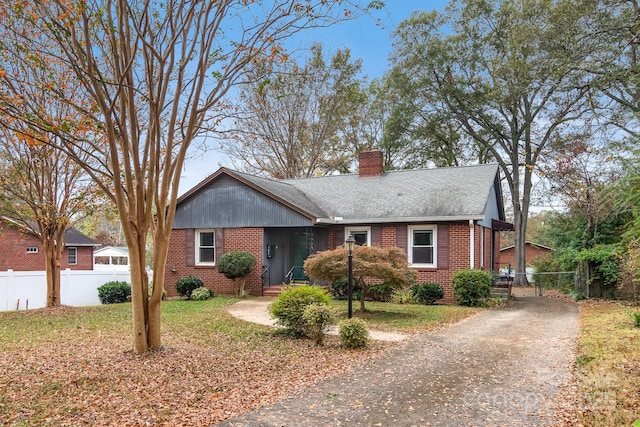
(89, 377)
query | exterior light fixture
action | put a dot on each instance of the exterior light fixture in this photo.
(350, 242)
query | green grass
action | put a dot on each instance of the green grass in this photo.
(405, 317)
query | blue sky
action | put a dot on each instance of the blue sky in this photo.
(367, 41)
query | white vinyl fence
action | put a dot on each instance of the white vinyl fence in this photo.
(20, 290)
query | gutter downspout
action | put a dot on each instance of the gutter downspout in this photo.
(472, 244)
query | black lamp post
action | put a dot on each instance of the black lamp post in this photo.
(350, 243)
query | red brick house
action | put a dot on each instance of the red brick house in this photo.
(532, 251)
(21, 249)
(446, 219)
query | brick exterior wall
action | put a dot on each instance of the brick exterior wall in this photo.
(13, 252)
(251, 240)
(235, 239)
(458, 255)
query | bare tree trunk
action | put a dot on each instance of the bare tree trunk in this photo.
(52, 269)
(139, 299)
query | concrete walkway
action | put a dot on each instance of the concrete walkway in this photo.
(255, 311)
(501, 367)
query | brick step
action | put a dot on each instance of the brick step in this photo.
(272, 291)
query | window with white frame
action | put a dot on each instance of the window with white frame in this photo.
(73, 256)
(422, 245)
(32, 250)
(205, 247)
(362, 235)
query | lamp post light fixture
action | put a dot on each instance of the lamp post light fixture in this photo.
(350, 243)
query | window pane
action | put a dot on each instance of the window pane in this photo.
(72, 255)
(206, 254)
(423, 238)
(206, 239)
(422, 255)
(360, 237)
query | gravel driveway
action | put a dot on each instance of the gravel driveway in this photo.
(501, 367)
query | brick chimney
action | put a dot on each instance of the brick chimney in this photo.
(370, 163)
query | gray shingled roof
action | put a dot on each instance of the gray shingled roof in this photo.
(439, 193)
(286, 191)
(453, 193)
(75, 238)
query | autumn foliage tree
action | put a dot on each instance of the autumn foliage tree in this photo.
(45, 190)
(371, 264)
(156, 75)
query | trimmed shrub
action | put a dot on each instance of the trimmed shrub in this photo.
(201, 294)
(471, 287)
(289, 308)
(236, 265)
(186, 285)
(403, 296)
(353, 333)
(316, 319)
(380, 292)
(114, 292)
(427, 293)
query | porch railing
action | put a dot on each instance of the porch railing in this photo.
(266, 275)
(291, 275)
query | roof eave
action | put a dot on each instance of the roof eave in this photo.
(399, 219)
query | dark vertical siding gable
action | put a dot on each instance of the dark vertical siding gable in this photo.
(443, 247)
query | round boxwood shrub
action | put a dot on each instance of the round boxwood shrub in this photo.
(316, 319)
(471, 287)
(353, 333)
(186, 285)
(114, 292)
(289, 308)
(427, 293)
(201, 294)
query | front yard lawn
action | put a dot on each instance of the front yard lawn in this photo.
(410, 318)
(74, 366)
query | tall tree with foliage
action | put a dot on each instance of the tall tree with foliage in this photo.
(156, 75)
(506, 73)
(289, 118)
(45, 192)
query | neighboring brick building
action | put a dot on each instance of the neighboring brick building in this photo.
(446, 219)
(532, 251)
(21, 249)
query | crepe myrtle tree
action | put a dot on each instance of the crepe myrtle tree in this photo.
(153, 77)
(369, 262)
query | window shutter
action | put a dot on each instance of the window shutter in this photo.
(443, 247)
(219, 236)
(338, 236)
(401, 237)
(190, 250)
(376, 236)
